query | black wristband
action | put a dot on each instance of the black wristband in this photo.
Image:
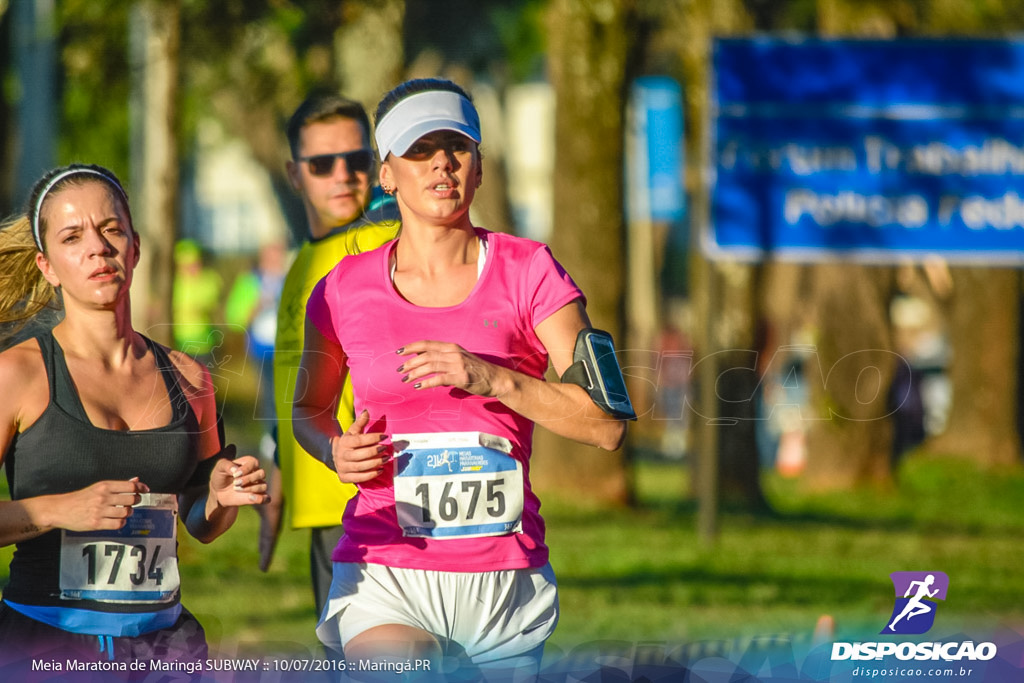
(204, 469)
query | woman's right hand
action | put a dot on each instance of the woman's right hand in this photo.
(104, 505)
(359, 457)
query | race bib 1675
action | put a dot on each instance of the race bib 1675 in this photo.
(457, 485)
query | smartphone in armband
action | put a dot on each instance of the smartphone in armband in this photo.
(596, 368)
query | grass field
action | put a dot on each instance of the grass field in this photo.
(640, 575)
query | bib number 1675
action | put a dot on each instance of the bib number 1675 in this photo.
(464, 500)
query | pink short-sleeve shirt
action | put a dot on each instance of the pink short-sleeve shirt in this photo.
(357, 307)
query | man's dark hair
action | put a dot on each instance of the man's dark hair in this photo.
(324, 106)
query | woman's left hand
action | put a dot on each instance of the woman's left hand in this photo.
(443, 364)
(239, 482)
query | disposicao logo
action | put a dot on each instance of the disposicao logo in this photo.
(916, 592)
(913, 614)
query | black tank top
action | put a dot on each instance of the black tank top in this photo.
(63, 452)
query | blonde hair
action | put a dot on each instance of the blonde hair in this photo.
(24, 292)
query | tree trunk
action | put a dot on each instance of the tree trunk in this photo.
(849, 441)
(983, 319)
(155, 96)
(491, 208)
(728, 367)
(724, 294)
(8, 139)
(368, 49)
(739, 378)
(33, 31)
(590, 47)
(984, 324)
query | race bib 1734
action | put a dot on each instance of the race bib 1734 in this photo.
(134, 564)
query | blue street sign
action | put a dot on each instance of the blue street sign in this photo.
(871, 150)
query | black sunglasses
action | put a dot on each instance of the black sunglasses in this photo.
(357, 161)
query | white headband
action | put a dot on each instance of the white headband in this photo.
(423, 113)
(56, 179)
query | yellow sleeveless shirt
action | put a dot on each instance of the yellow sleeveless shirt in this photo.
(313, 495)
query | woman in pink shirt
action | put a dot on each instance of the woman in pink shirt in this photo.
(447, 332)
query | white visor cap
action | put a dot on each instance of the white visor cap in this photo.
(423, 113)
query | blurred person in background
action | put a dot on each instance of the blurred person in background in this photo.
(470, 318)
(106, 437)
(252, 303)
(332, 168)
(195, 299)
(675, 358)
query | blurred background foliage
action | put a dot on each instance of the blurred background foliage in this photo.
(798, 543)
(245, 65)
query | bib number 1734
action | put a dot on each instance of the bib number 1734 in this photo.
(113, 556)
(134, 564)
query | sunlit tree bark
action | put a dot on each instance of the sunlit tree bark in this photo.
(849, 442)
(724, 294)
(589, 49)
(155, 94)
(985, 327)
(368, 49)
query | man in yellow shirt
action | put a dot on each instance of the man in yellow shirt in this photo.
(333, 169)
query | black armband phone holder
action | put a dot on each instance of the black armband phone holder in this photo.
(596, 369)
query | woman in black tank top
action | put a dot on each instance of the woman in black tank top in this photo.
(106, 437)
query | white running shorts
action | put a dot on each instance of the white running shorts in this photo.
(491, 616)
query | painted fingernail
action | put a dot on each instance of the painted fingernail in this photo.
(406, 378)
(400, 368)
(400, 351)
(417, 385)
(381, 449)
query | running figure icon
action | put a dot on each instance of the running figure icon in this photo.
(916, 604)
